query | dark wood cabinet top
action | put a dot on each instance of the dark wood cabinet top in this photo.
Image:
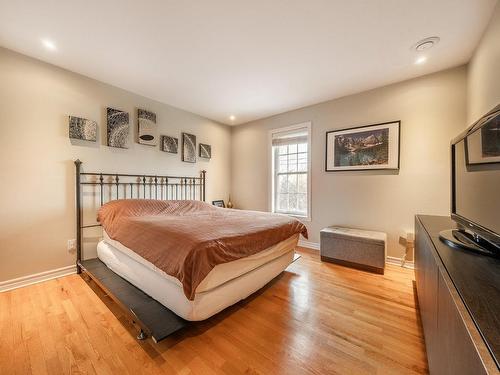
(476, 278)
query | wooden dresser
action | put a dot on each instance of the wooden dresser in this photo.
(459, 301)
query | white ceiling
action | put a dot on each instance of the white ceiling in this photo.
(251, 59)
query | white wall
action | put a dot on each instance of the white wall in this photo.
(37, 190)
(432, 110)
(484, 72)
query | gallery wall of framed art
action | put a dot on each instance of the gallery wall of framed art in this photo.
(118, 134)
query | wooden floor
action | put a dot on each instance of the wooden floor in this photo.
(316, 318)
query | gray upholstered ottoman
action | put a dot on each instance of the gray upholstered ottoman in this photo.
(354, 248)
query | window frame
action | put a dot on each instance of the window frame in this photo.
(272, 163)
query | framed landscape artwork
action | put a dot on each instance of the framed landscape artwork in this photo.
(188, 148)
(363, 148)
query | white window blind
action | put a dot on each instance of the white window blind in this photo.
(290, 150)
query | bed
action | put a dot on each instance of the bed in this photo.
(168, 257)
(225, 285)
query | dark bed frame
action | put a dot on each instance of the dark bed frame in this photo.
(154, 319)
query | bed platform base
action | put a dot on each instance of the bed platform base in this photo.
(154, 319)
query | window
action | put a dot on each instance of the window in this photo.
(290, 149)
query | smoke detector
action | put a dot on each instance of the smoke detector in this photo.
(426, 44)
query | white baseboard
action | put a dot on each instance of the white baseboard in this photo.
(389, 260)
(36, 278)
(308, 244)
(397, 261)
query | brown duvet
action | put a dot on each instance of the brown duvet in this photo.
(187, 239)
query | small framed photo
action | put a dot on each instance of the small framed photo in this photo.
(219, 203)
(363, 148)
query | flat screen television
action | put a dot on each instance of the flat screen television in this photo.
(475, 187)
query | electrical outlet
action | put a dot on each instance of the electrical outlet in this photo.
(71, 244)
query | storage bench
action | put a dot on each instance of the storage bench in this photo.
(356, 248)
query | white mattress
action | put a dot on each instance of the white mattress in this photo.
(230, 283)
(221, 273)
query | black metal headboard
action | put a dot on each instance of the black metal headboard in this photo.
(111, 186)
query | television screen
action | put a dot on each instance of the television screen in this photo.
(476, 175)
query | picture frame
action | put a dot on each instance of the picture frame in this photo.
(169, 144)
(366, 147)
(482, 146)
(205, 151)
(82, 129)
(147, 128)
(188, 148)
(117, 128)
(219, 203)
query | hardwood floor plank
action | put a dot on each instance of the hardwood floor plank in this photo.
(316, 318)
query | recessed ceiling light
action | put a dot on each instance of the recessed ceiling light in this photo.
(420, 60)
(232, 118)
(426, 44)
(49, 44)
